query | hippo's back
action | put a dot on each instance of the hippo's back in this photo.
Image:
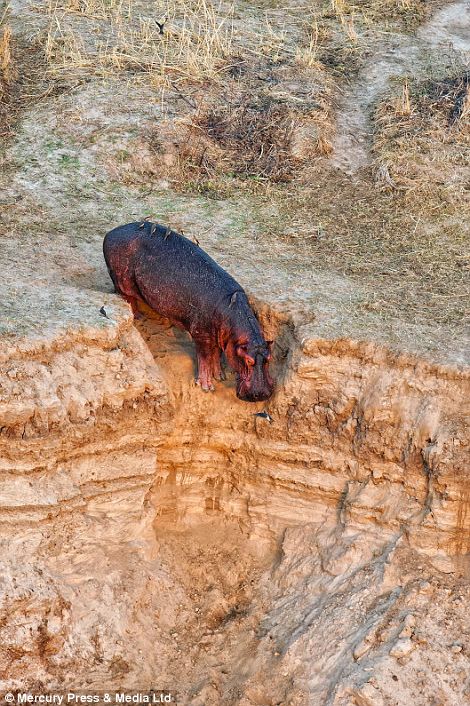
(170, 273)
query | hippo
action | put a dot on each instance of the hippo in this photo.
(176, 278)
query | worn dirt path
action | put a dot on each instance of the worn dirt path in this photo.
(448, 29)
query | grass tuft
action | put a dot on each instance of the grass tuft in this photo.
(423, 137)
(241, 143)
(254, 135)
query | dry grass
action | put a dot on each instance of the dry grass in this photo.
(341, 35)
(253, 127)
(333, 39)
(411, 263)
(254, 136)
(22, 75)
(349, 30)
(324, 146)
(405, 242)
(101, 38)
(99, 9)
(224, 142)
(423, 137)
(235, 139)
(407, 14)
(344, 13)
(402, 104)
(199, 38)
(237, 143)
(6, 60)
(307, 53)
(7, 76)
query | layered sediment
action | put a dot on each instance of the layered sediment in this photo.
(156, 536)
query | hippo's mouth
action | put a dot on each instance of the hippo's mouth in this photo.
(248, 392)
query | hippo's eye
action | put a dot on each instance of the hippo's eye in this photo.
(242, 353)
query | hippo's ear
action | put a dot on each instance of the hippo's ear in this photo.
(241, 352)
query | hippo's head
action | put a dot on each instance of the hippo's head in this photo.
(250, 361)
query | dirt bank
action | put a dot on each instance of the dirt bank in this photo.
(154, 535)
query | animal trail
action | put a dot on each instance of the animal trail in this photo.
(448, 28)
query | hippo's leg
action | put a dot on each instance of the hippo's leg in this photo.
(217, 370)
(113, 279)
(126, 288)
(135, 309)
(204, 352)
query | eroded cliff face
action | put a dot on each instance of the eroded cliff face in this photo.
(154, 536)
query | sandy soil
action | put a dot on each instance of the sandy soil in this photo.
(154, 536)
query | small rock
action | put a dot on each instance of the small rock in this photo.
(402, 648)
(406, 632)
(368, 696)
(425, 587)
(456, 648)
(361, 649)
